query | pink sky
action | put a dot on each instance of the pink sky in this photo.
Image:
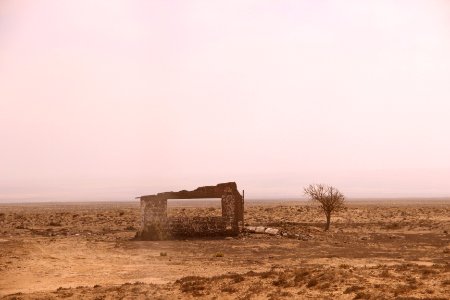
(113, 99)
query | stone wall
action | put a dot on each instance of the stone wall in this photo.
(157, 226)
(197, 227)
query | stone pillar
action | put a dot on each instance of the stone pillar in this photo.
(154, 218)
(229, 212)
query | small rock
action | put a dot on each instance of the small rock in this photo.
(260, 229)
(272, 231)
(393, 236)
(250, 228)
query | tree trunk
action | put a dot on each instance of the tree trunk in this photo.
(327, 226)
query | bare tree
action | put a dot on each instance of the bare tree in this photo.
(329, 198)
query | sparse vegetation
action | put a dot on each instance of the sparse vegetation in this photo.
(282, 280)
(300, 275)
(333, 265)
(192, 284)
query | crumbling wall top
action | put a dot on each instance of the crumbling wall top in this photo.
(215, 191)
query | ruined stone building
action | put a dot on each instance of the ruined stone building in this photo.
(156, 225)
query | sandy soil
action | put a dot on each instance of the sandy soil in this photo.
(374, 250)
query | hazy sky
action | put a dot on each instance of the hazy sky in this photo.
(113, 99)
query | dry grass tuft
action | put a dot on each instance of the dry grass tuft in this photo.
(312, 283)
(385, 274)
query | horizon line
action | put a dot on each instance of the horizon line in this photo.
(350, 199)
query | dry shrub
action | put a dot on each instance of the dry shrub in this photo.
(324, 286)
(236, 278)
(285, 294)
(55, 224)
(404, 267)
(253, 290)
(411, 280)
(403, 289)
(385, 274)
(353, 288)
(344, 266)
(427, 272)
(312, 283)
(282, 280)
(192, 284)
(327, 276)
(279, 294)
(228, 289)
(267, 274)
(300, 275)
(393, 226)
(362, 295)
(251, 273)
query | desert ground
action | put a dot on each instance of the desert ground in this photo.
(377, 249)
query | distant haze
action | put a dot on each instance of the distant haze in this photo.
(108, 100)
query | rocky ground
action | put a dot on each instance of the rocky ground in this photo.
(374, 250)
